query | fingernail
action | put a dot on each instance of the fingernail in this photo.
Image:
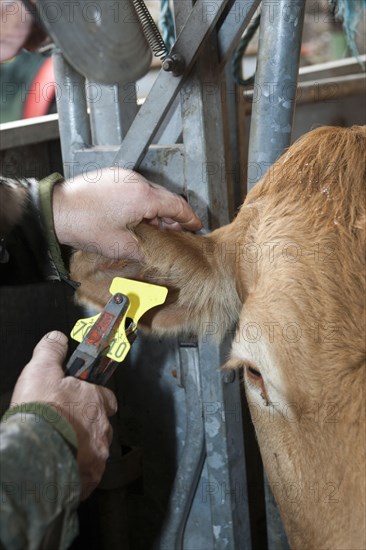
(56, 336)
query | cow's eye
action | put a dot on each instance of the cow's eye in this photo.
(255, 381)
(253, 373)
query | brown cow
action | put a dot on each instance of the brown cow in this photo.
(290, 271)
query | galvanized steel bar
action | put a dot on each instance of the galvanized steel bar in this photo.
(220, 504)
(275, 83)
(225, 450)
(104, 115)
(170, 130)
(200, 22)
(161, 164)
(233, 26)
(192, 459)
(112, 110)
(203, 137)
(73, 116)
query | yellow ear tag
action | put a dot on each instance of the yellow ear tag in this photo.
(142, 296)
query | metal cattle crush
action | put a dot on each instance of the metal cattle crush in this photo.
(191, 421)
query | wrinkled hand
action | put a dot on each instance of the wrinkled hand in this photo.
(99, 215)
(84, 405)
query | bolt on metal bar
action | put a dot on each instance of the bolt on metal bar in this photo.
(200, 22)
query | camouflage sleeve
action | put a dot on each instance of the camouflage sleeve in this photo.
(40, 485)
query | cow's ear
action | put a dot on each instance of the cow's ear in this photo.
(95, 274)
(200, 277)
(200, 273)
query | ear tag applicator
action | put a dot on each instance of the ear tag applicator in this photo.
(106, 338)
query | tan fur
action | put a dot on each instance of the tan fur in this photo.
(312, 201)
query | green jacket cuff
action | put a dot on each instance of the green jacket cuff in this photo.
(49, 414)
(45, 206)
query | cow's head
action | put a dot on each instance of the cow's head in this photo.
(290, 272)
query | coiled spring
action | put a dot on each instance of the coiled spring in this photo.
(150, 30)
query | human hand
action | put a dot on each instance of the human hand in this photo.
(101, 213)
(84, 405)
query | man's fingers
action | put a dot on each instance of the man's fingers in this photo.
(165, 223)
(165, 204)
(109, 400)
(50, 351)
(171, 225)
(179, 210)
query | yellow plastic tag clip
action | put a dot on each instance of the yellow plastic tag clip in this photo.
(142, 297)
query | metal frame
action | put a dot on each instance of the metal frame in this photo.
(117, 133)
(276, 81)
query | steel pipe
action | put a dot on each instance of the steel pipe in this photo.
(276, 77)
